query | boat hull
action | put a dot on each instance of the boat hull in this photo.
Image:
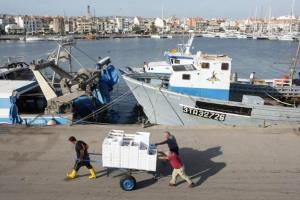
(169, 108)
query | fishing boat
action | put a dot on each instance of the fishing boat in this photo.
(34, 38)
(204, 93)
(60, 97)
(159, 36)
(286, 37)
(15, 68)
(179, 56)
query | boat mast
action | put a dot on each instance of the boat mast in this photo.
(294, 62)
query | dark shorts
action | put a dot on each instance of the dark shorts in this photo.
(79, 164)
(175, 150)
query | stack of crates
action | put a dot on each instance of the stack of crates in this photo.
(129, 151)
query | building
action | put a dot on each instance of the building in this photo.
(69, 25)
(33, 24)
(58, 25)
(159, 23)
(13, 29)
(84, 25)
(119, 24)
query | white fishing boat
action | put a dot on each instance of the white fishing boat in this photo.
(208, 35)
(203, 94)
(286, 37)
(272, 37)
(179, 56)
(35, 38)
(241, 36)
(159, 36)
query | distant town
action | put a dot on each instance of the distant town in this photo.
(89, 24)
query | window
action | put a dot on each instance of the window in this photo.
(225, 66)
(205, 65)
(177, 61)
(186, 76)
(183, 68)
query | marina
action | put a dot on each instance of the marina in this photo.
(124, 110)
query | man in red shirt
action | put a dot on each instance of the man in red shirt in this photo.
(178, 168)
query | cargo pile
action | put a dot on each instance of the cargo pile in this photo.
(129, 151)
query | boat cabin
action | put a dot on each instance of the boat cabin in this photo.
(208, 77)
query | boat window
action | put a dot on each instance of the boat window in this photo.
(225, 66)
(172, 61)
(186, 76)
(205, 65)
(224, 108)
(183, 68)
(177, 61)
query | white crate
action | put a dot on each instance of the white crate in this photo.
(125, 156)
(152, 158)
(130, 151)
(134, 157)
(143, 159)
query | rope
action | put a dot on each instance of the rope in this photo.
(84, 53)
(150, 102)
(278, 100)
(104, 107)
(171, 106)
(73, 57)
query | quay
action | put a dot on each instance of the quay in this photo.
(80, 36)
(224, 162)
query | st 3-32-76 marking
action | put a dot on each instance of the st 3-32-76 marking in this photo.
(203, 113)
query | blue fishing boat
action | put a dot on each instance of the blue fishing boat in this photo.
(63, 97)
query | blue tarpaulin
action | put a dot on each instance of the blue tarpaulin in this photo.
(13, 111)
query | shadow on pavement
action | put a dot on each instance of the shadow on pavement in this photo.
(145, 183)
(197, 164)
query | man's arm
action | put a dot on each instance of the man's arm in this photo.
(163, 155)
(82, 152)
(160, 143)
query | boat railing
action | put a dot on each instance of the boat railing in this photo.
(282, 82)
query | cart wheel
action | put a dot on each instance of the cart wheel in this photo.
(127, 183)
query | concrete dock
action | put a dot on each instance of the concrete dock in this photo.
(225, 163)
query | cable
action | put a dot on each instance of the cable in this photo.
(104, 107)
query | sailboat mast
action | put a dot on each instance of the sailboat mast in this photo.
(162, 16)
(292, 15)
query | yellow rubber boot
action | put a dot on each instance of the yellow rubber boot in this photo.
(72, 175)
(93, 174)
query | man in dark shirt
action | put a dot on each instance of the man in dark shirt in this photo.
(171, 141)
(83, 158)
(178, 168)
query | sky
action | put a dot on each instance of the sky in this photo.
(232, 9)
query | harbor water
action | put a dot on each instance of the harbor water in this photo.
(269, 59)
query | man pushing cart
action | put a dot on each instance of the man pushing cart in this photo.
(122, 151)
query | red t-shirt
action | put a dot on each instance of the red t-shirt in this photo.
(175, 161)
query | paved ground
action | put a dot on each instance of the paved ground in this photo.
(225, 163)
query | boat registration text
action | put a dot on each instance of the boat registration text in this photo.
(204, 113)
